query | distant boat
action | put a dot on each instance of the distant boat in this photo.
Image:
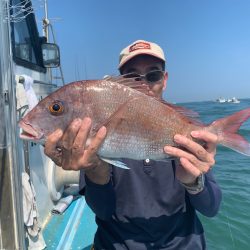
(231, 100)
(221, 100)
(235, 100)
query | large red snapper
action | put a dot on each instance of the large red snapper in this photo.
(138, 125)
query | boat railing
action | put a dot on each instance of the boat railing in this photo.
(21, 80)
(11, 212)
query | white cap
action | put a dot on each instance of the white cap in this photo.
(140, 47)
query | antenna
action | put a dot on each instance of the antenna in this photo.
(46, 26)
(46, 21)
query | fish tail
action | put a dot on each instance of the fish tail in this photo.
(226, 129)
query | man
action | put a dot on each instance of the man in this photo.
(153, 205)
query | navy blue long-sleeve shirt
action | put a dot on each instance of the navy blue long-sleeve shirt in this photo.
(146, 207)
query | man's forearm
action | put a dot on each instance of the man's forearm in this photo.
(99, 192)
(208, 200)
(100, 174)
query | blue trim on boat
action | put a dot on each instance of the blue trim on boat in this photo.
(72, 226)
(86, 231)
(74, 229)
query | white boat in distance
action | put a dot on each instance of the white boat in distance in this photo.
(221, 100)
(233, 100)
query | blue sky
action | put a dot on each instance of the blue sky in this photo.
(206, 43)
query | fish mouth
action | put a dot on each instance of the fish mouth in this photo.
(28, 132)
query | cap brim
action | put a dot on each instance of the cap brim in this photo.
(137, 54)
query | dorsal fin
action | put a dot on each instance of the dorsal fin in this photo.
(133, 83)
(182, 110)
(142, 86)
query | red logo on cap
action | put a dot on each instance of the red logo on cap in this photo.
(140, 45)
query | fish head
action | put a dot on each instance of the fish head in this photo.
(56, 111)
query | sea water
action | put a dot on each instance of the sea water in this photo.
(230, 229)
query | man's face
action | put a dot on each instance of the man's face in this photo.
(142, 65)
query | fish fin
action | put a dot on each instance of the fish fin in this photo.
(141, 86)
(226, 129)
(133, 83)
(185, 111)
(116, 163)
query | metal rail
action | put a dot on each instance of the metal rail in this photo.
(45, 83)
(11, 213)
(21, 80)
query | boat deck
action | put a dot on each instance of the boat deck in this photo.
(74, 229)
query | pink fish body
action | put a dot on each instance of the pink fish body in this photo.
(138, 125)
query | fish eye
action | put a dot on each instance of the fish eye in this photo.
(56, 108)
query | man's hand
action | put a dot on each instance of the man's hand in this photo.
(196, 159)
(70, 150)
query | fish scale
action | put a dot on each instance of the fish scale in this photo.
(146, 137)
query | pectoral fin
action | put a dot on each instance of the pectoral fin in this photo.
(115, 162)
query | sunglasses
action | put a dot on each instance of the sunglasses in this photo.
(151, 77)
